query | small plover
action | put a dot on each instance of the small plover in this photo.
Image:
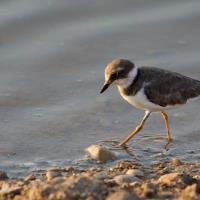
(151, 89)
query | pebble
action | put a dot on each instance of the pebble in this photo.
(189, 193)
(165, 171)
(135, 172)
(120, 179)
(55, 169)
(11, 191)
(176, 162)
(30, 177)
(168, 178)
(111, 169)
(68, 169)
(50, 174)
(197, 177)
(149, 190)
(3, 175)
(124, 164)
(100, 153)
(58, 180)
(135, 184)
(7, 189)
(174, 178)
(96, 169)
(101, 175)
(122, 195)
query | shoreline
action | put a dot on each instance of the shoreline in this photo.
(124, 180)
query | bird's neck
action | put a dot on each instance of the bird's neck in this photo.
(126, 82)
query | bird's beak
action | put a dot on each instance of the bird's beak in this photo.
(105, 86)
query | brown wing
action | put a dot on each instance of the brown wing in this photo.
(169, 88)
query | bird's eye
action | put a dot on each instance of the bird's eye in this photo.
(113, 76)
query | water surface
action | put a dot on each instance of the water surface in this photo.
(52, 58)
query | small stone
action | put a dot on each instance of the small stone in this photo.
(111, 169)
(58, 195)
(50, 174)
(55, 169)
(189, 193)
(176, 162)
(165, 171)
(187, 179)
(124, 165)
(148, 190)
(125, 186)
(39, 192)
(174, 178)
(135, 172)
(135, 184)
(30, 177)
(110, 182)
(101, 175)
(58, 180)
(99, 169)
(120, 179)
(167, 179)
(96, 169)
(68, 168)
(197, 176)
(122, 195)
(3, 175)
(100, 153)
(89, 185)
(7, 189)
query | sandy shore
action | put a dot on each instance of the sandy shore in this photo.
(124, 180)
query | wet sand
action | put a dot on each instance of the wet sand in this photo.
(52, 58)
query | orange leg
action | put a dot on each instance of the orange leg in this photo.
(137, 130)
(165, 118)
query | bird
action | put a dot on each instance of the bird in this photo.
(151, 89)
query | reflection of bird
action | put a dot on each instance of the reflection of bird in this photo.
(151, 89)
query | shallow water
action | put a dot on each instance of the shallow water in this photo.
(52, 58)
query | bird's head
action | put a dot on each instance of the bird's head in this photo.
(119, 72)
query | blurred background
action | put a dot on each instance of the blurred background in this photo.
(52, 59)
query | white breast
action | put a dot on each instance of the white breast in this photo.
(140, 101)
